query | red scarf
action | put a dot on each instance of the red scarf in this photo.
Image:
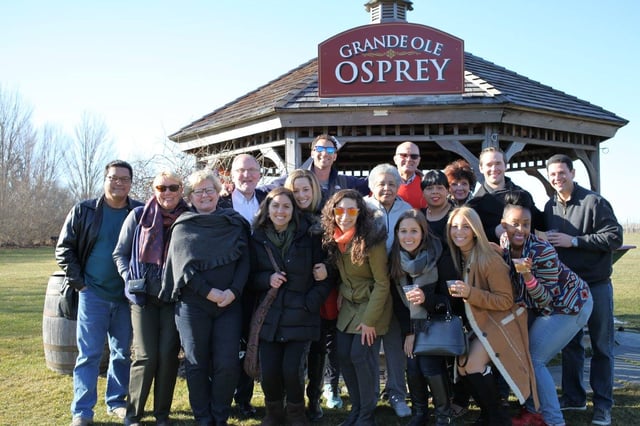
(155, 223)
(343, 238)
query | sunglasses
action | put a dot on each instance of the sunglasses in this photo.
(350, 211)
(163, 188)
(405, 156)
(327, 149)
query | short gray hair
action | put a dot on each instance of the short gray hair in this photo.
(200, 176)
(384, 169)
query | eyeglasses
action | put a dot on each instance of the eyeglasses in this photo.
(119, 179)
(350, 211)
(201, 192)
(163, 188)
(251, 171)
(328, 149)
(405, 156)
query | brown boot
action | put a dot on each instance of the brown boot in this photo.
(296, 415)
(275, 414)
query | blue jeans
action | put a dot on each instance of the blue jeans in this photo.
(396, 361)
(601, 333)
(547, 336)
(99, 319)
(210, 340)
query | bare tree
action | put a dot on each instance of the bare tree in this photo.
(89, 151)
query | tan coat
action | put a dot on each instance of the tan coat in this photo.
(501, 325)
(365, 292)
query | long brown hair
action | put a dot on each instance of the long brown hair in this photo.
(368, 233)
(262, 219)
(395, 268)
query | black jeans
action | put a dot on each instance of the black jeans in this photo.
(282, 368)
(210, 346)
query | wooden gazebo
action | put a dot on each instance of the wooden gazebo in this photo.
(528, 120)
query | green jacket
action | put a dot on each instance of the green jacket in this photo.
(365, 292)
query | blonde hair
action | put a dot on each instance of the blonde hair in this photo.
(169, 174)
(198, 177)
(313, 181)
(482, 248)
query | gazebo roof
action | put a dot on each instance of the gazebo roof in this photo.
(485, 84)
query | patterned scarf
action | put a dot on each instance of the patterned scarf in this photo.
(155, 224)
(343, 238)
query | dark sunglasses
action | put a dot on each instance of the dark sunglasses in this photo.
(327, 149)
(405, 156)
(172, 188)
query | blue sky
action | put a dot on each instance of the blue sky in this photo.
(150, 67)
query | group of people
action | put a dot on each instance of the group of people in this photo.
(354, 267)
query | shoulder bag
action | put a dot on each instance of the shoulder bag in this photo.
(251, 362)
(440, 335)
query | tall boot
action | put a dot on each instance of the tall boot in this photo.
(439, 386)
(315, 371)
(419, 400)
(275, 413)
(296, 415)
(485, 391)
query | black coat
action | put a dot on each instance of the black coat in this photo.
(295, 313)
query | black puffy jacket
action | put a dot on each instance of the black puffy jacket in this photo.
(295, 313)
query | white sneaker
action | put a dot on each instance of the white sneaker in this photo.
(119, 412)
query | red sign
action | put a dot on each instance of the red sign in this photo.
(391, 59)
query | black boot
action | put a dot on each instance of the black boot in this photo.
(274, 415)
(315, 371)
(295, 414)
(439, 386)
(485, 391)
(419, 400)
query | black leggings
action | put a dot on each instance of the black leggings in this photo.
(282, 367)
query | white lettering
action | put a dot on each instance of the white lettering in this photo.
(366, 69)
(438, 49)
(440, 68)
(345, 51)
(354, 72)
(403, 70)
(383, 68)
(422, 71)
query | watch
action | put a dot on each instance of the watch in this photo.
(574, 242)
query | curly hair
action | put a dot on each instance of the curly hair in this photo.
(458, 170)
(368, 233)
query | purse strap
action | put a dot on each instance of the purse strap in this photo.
(272, 259)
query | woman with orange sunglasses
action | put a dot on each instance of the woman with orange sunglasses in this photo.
(357, 247)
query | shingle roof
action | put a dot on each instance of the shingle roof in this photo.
(485, 83)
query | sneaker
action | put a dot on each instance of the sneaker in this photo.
(333, 398)
(601, 416)
(81, 421)
(399, 406)
(566, 405)
(119, 412)
(527, 418)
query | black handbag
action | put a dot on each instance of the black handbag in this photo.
(440, 335)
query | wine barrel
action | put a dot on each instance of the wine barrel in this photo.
(59, 333)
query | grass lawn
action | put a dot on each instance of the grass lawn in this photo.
(31, 394)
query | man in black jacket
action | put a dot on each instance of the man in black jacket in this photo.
(245, 199)
(586, 232)
(488, 201)
(84, 248)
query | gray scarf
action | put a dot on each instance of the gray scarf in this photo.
(423, 270)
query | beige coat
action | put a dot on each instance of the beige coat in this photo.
(501, 325)
(365, 292)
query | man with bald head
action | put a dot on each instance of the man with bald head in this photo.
(407, 160)
(245, 199)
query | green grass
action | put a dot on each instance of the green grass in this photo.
(31, 394)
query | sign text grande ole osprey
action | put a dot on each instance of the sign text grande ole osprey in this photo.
(391, 59)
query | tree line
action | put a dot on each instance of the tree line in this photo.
(44, 171)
